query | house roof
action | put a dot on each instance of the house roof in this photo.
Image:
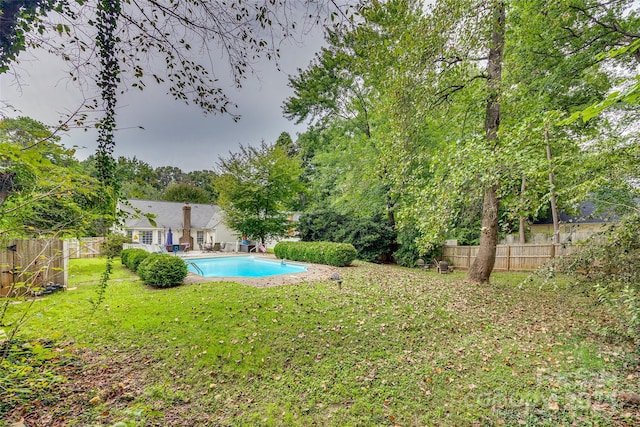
(587, 214)
(169, 214)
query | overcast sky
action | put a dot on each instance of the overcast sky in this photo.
(174, 134)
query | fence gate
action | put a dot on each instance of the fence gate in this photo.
(87, 247)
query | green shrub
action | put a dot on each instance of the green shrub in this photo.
(408, 252)
(321, 225)
(335, 254)
(137, 258)
(113, 244)
(373, 236)
(131, 258)
(162, 271)
(281, 250)
(340, 255)
(124, 257)
(141, 270)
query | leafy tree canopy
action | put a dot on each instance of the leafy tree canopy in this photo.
(257, 187)
(44, 191)
(406, 113)
(184, 192)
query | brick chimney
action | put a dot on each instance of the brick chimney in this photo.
(186, 222)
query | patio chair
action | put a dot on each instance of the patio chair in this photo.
(260, 248)
(442, 267)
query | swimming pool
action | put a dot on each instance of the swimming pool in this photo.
(241, 266)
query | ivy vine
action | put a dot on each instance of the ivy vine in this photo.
(108, 79)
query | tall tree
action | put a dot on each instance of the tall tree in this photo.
(555, 63)
(285, 141)
(548, 59)
(183, 192)
(340, 94)
(169, 174)
(485, 259)
(203, 179)
(137, 179)
(256, 188)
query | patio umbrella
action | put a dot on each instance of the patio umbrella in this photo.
(169, 238)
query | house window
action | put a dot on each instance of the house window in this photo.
(146, 237)
(200, 237)
(130, 234)
(160, 236)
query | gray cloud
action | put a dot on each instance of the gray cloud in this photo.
(174, 134)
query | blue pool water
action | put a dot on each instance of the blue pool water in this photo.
(241, 266)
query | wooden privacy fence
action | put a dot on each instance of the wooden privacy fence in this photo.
(88, 247)
(29, 264)
(509, 257)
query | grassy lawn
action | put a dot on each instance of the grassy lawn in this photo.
(392, 347)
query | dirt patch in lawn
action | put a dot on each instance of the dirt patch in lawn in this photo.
(100, 389)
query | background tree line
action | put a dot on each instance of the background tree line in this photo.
(139, 180)
(45, 190)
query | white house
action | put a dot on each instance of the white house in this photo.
(574, 227)
(194, 225)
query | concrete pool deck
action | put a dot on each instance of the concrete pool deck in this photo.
(314, 273)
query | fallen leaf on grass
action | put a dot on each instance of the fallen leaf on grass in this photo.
(553, 406)
(629, 398)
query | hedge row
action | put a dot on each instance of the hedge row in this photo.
(157, 270)
(131, 258)
(335, 254)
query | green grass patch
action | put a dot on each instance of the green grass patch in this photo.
(392, 346)
(88, 271)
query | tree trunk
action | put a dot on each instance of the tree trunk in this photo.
(6, 185)
(483, 264)
(523, 188)
(391, 216)
(552, 192)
